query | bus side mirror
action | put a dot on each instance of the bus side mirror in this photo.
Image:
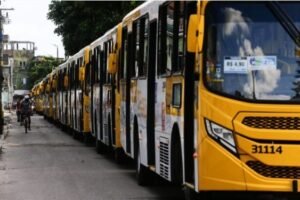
(66, 81)
(195, 33)
(48, 87)
(81, 73)
(54, 84)
(112, 64)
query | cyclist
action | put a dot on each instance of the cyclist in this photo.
(26, 109)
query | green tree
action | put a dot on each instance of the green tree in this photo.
(81, 22)
(39, 68)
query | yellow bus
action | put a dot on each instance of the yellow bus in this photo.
(204, 94)
(54, 95)
(62, 99)
(156, 91)
(79, 104)
(209, 94)
(104, 92)
(46, 96)
(38, 99)
(33, 94)
(246, 80)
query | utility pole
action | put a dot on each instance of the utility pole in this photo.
(2, 21)
(56, 51)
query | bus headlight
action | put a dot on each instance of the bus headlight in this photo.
(221, 135)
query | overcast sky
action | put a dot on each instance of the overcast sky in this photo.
(29, 23)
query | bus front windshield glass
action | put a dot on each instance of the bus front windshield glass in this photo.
(251, 50)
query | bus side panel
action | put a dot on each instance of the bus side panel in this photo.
(123, 114)
(106, 112)
(86, 113)
(140, 110)
(78, 110)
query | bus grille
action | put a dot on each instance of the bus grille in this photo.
(275, 171)
(284, 123)
(164, 159)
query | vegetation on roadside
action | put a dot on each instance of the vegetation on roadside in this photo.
(39, 68)
(81, 22)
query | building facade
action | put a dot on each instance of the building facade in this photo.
(17, 56)
(22, 53)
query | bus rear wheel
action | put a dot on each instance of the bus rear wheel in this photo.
(191, 194)
(119, 155)
(142, 173)
(99, 147)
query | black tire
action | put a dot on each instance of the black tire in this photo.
(87, 139)
(190, 194)
(176, 160)
(100, 148)
(74, 134)
(110, 145)
(142, 173)
(119, 155)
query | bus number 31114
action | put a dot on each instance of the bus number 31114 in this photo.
(266, 149)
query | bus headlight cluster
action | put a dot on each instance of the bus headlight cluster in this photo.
(221, 135)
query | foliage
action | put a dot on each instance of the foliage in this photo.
(39, 68)
(81, 22)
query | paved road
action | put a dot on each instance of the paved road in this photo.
(48, 164)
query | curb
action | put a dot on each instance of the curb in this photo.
(3, 136)
(7, 124)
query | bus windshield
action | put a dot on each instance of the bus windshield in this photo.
(250, 52)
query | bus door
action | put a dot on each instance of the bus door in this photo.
(142, 84)
(189, 100)
(125, 92)
(106, 106)
(151, 92)
(102, 76)
(93, 75)
(174, 115)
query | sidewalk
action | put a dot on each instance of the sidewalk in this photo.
(7, 121)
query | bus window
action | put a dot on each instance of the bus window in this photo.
(105, 60)
(76, 75)
(171, 37)
(180, 28)
(123, 67)
(98, 61)
(140, 32)
(136, 49)
(145, 45)
(110, 50)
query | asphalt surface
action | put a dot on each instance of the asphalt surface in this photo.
(48, 164)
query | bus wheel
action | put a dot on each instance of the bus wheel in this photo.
(119, 155)
(190, 194)
(99, 147)
(87, 139)
(74, 134)
(142, 173)
(176, 159)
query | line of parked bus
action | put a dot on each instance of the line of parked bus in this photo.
(183, 88)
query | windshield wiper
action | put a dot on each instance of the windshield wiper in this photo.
(286, 22)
